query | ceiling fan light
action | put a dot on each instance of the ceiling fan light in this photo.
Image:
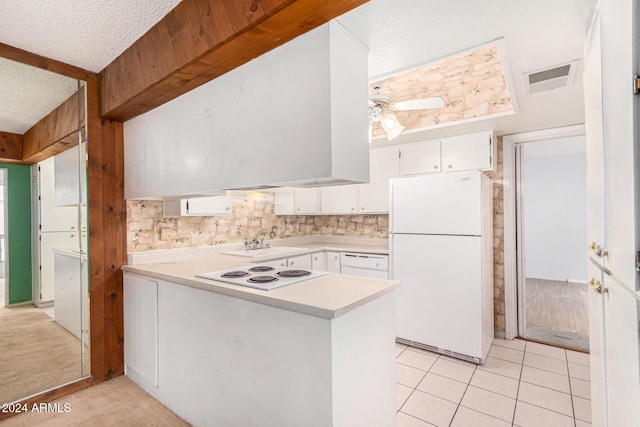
(391, 126)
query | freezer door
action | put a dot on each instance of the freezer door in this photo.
(439, 302)
(448, 203)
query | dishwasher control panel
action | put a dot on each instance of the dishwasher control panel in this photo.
(363, 260)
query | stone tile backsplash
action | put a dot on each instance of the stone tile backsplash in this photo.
(250, 218)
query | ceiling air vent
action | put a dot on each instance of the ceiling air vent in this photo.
(550, 78)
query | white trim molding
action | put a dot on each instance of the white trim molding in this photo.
(509, 143)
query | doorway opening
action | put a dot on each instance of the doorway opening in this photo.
(551, 241)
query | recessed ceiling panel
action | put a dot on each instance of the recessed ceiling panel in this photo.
(472, 85)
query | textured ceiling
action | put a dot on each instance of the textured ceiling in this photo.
(27, 94)
(86, 33)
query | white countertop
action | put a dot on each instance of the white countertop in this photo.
(326, 297)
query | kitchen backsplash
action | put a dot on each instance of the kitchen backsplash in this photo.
(252, 217)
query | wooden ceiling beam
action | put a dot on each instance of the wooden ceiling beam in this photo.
(10, 147)
(34, 60)
(200, 40)
(54, 133)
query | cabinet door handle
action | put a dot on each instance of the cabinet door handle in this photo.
(450, 166)
(291, 262)
(436, 167)
(362, 208)
(282, 264)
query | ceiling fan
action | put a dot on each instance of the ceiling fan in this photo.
(382, 110)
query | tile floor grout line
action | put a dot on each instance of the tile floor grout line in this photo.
(515, 407)
(420, 419)
(462, 397)
(573, 409)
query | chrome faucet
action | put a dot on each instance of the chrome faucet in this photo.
(253, 244)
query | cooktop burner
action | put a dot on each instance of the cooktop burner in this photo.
(293, 273)
(263, 277)
(261, 269)
(233, 274)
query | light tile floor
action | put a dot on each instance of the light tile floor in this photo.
(523, 384)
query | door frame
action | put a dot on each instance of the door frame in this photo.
(5, 231)
(511, 298)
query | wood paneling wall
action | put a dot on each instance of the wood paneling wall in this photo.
(10, 147)
(107, 238)
(54, 133)
(200, 40)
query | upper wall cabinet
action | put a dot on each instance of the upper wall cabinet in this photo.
(468, 152)
(419, 158)
(53, 217)
(198, 206)
(458, 153)
(297, 201)
(70, 184)
(296, 115)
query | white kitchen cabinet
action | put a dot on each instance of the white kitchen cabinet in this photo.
(70, 181)
(140, 300)
(305, 201)
(468, 152)
(319, 261)
(457, 153)
(333, 262)
(384, 164)
(341, 199)
(301, 370)
(53, 217)
(277, 263)
(71, 292)
(419, 158)
(301, 261)
(297, 201)
(284, 201)
(316, 133)
(198, 206)
(48, 243)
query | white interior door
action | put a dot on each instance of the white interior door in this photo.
(612, 128)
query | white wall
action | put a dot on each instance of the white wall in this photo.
(555, 222)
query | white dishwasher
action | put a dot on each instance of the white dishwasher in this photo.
(365, 265)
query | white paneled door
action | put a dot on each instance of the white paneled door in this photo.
(611, 59)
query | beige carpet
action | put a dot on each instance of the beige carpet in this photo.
(118, 402)
(36, 353)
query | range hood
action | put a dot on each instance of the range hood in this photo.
(295, 116)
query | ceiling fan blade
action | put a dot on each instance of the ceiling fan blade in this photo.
(419, 104)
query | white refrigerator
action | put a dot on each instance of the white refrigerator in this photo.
(441, 249)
